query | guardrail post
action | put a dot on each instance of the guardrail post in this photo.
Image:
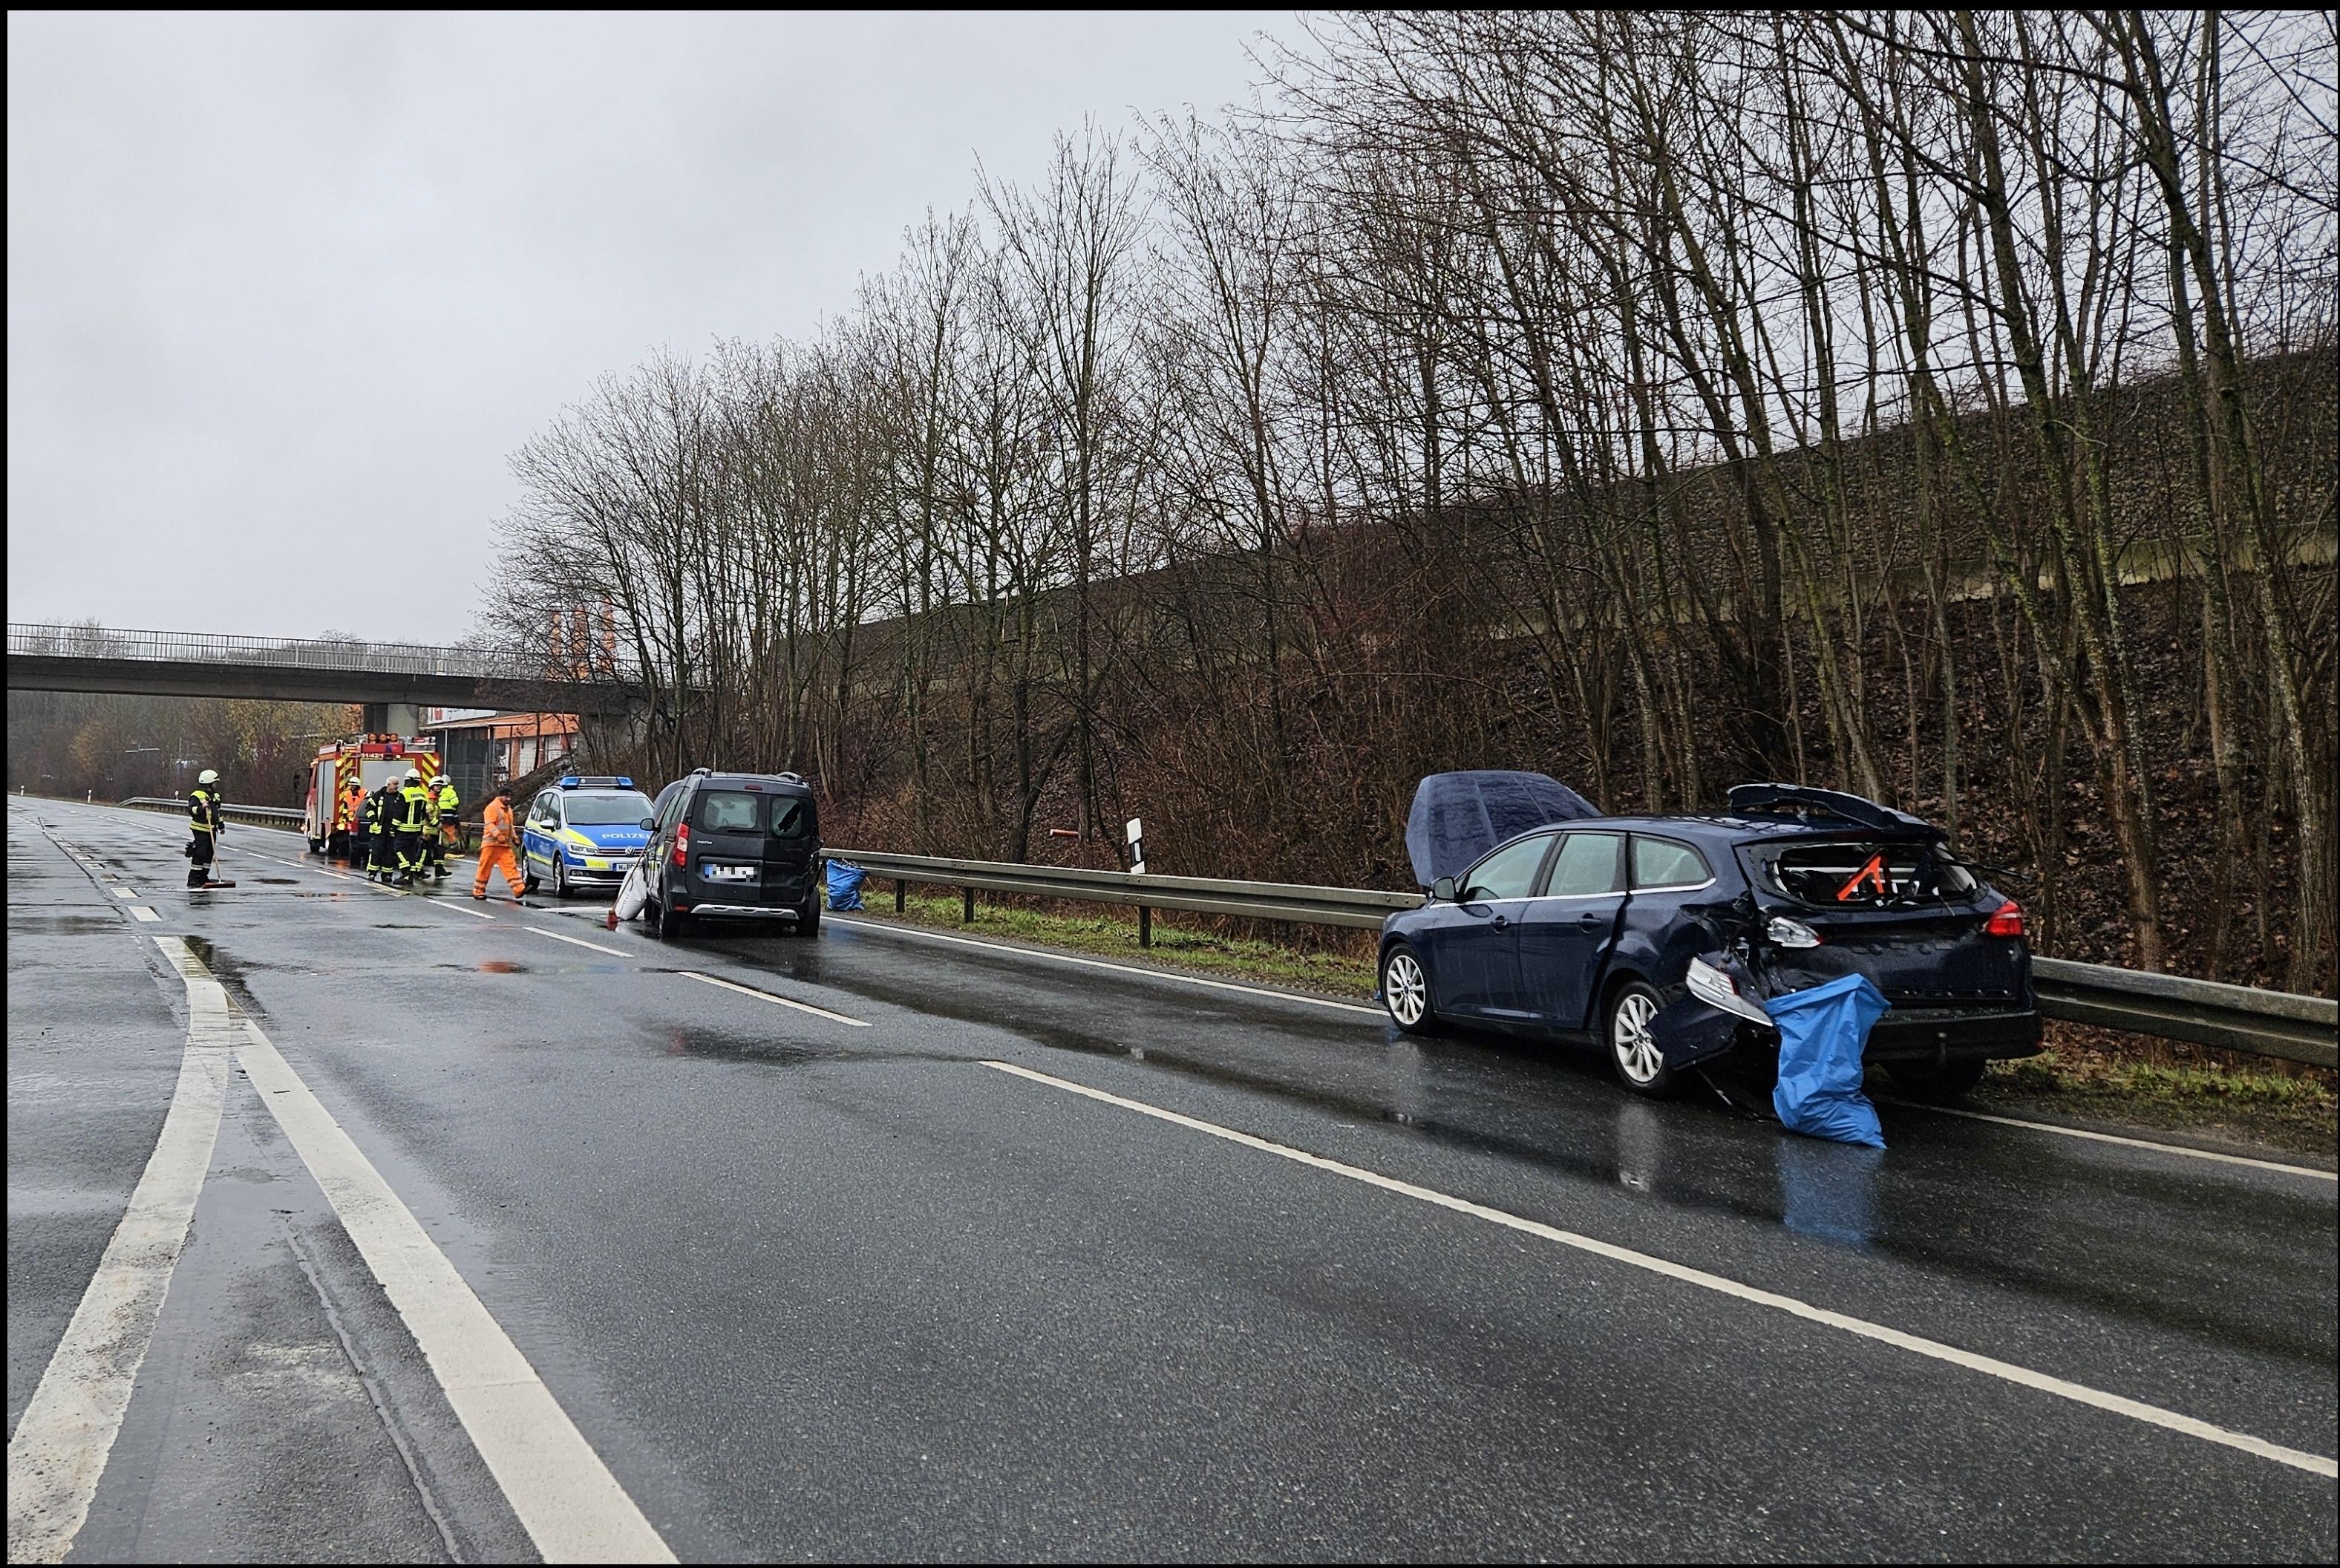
(968, 896)
(1145, 926)
(901, 895)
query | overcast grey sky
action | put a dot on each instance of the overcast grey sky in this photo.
(286, 292)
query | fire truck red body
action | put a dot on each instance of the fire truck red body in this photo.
(369, 761)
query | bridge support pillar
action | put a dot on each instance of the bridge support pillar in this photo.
(393, 717)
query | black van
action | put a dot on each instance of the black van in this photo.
(734, 846)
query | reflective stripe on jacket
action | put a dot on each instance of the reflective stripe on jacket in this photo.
(202, 809)
(496, 826)
(412, 810)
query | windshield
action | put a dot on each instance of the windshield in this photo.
(608, 810)
(1863, 873)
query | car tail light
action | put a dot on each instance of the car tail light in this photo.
(683, 845)
(2007, 920)
(1787, 933)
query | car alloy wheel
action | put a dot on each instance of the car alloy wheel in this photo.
(1405, 991)
(559, 877)
(1632, 1047)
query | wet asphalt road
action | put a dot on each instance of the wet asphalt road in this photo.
(818, 1291)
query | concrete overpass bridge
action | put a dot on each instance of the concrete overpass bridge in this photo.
(394, 680)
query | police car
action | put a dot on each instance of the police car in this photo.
(583, 832)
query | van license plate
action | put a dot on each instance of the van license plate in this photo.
(714, 873)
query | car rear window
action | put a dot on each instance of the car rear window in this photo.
(1858, 873)
(740, 811)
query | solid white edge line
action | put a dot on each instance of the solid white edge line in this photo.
(1141, 973)
(573, 1507)
(580, 941)
(2129, 1143)
(768, 997)
(58, 1452)
(141, 912)
(2022, 1376)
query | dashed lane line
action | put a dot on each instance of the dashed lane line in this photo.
(769, 996)
(1145, 974)
(60, 1446)
(578, 941)
(141, 912)
(1931, 1349)
(124, 893)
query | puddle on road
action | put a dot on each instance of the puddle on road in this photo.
(276, 881)
(725, 1045)
(229, 973)
(62, 925)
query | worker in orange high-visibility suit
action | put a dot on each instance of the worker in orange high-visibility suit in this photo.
(496, 846)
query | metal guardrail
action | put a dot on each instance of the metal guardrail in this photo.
(35, 639)
(266, 816)
(2169, 1007)
(2177, 1007)
(1353, 907)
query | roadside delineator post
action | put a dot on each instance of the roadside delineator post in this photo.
(1137, 865)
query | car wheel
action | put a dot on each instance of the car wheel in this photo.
(808, 920)
(670, 923)
(1405, 991)
(1937, 1080)
(1633, 1051)
(560, 877)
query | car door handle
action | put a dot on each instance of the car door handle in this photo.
(1501, 922)
(1590, 922)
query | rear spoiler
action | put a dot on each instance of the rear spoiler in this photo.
(1802, 803)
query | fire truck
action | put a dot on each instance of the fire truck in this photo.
(369, 761)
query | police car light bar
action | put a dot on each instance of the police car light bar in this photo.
(603, 781)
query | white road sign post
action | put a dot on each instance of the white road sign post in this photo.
(1137, 863)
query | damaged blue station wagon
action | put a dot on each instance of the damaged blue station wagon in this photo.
(1659, 938)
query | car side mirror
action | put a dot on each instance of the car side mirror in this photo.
(648, 823)
(1442, 890)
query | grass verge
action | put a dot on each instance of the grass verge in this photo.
(1346, 972)
(2298, 1115)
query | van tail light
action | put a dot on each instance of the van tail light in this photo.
(2007, 920)
(683, 845)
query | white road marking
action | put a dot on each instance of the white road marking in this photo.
(143, 913)
(2023, 1376)
(60, 1446)
(124, 893)
(580, 941)
(459, 909)
(892, 929)
(2129, 1143)
(768, 997)
(573, 1509)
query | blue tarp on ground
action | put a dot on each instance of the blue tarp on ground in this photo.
(1823, 1030)
(1458, 817)
(844, 885)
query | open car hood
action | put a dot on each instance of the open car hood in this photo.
(1459, 817)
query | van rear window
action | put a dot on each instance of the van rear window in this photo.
(738, 811)
(1862, 873)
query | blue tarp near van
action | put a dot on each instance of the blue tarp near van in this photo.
(1823, 1029)
(844, 885)
(1458, 817)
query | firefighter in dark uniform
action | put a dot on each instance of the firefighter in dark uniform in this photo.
(203, 820)
(409, 818)
(380, 859)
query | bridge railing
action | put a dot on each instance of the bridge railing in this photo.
(35, 639)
